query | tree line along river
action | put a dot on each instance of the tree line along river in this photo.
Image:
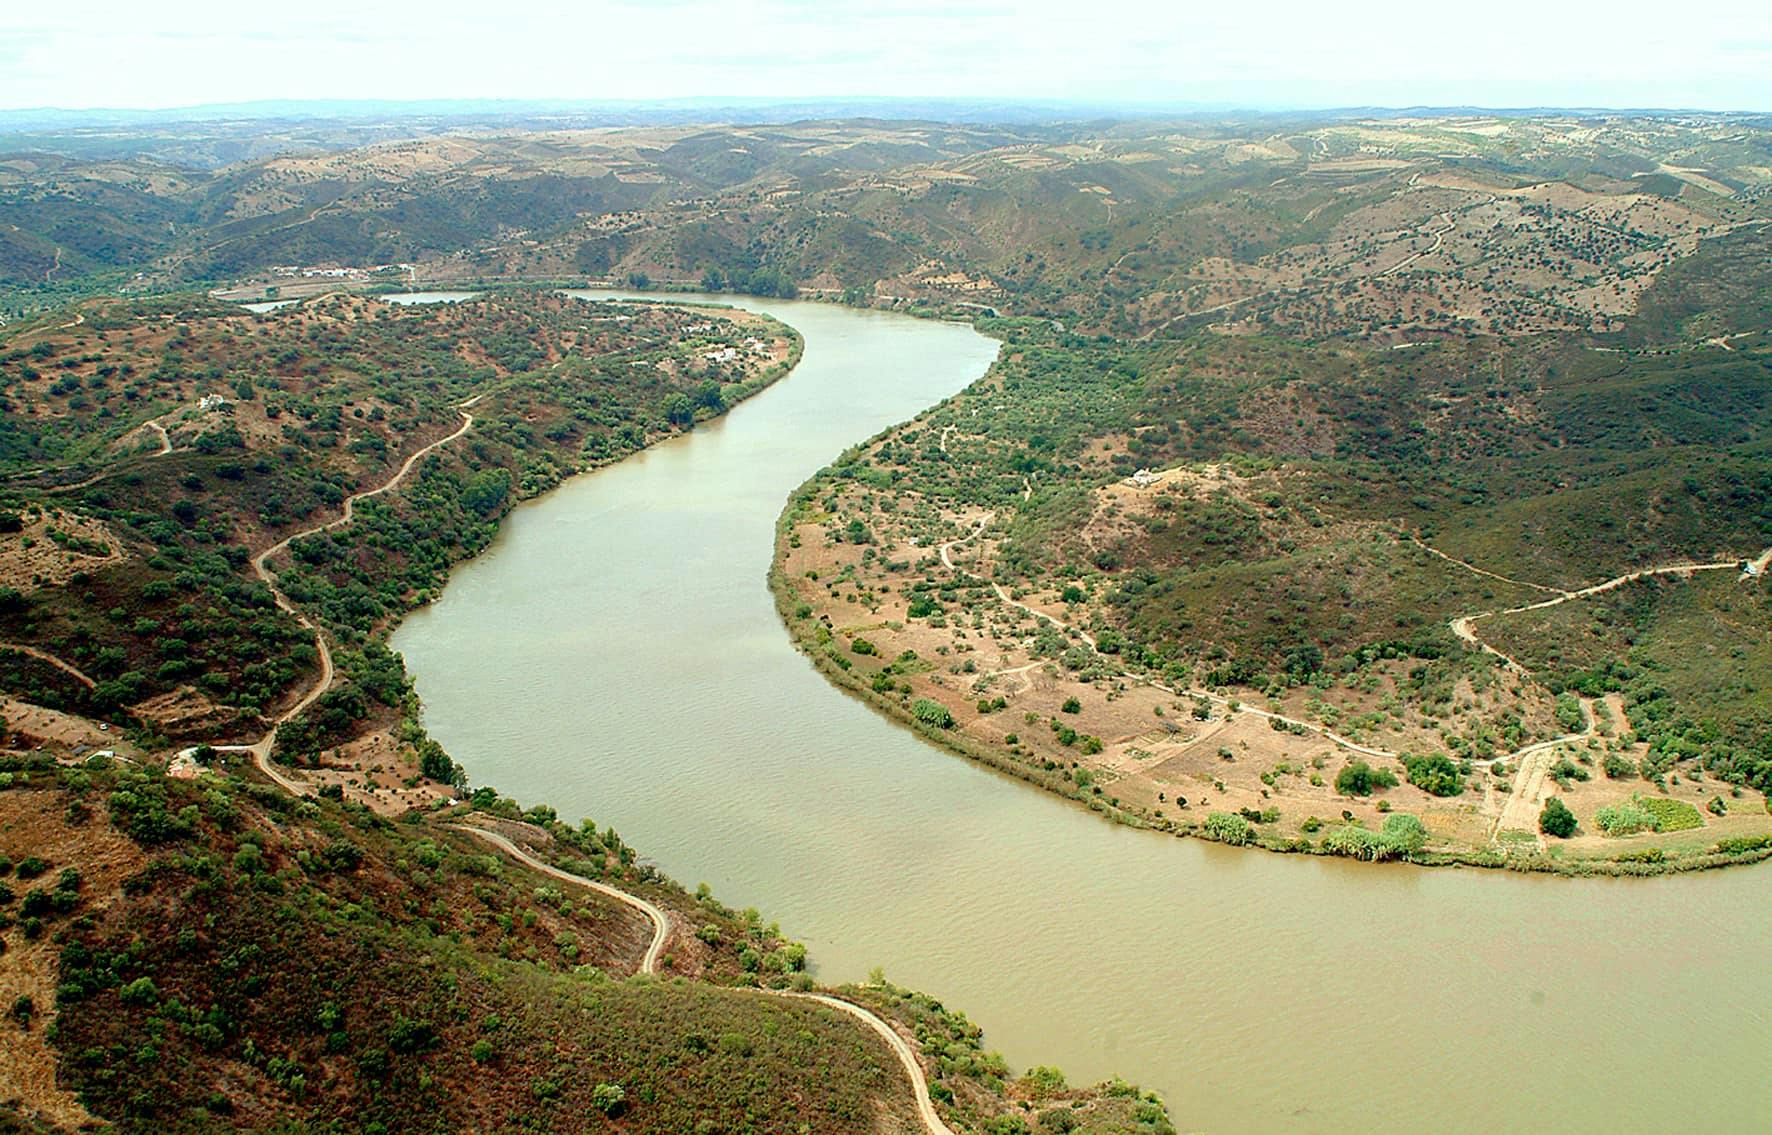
(616, 654)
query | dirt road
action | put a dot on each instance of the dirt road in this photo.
(913, 1068)
(45, 656)
(261, 749)
(1534, 761)
(907, 1059)
(661, 925)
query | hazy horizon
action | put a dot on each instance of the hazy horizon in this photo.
(1277, 55)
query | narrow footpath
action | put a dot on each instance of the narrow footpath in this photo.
(260, 750)
(1531, 763)
(661, 931)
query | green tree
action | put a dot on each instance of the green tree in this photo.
(1556, 819)
(609, 1099)
(1436, 774)
(487, 490)
(679, 410)
(1360, 779)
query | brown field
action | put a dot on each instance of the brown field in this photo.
(1169, 757)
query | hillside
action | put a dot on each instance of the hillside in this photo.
(1286, 591)
(162, 447)
(209, 918)
(213, 955)
(1397, 229)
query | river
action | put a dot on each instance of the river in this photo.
(616, 653)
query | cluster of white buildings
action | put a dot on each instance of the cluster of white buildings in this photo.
(753, 345)
(297, 270)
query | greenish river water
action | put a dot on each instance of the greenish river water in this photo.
(616, 654)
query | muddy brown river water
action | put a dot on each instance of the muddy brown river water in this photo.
(616, 654)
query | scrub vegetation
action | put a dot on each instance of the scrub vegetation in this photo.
(1386, 488)
(269, 423)
(1305, 576)
(188, 949)
(212, 955)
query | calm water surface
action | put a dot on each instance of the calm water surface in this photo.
(616, 653)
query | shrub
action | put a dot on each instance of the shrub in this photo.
(1556, 819)
(409, 1036)
(1227, 828)
(1351, 841)
(1618, 767)
(141, 991)
(1404, 832)
(1567, 770)
(609, 1099)
(1402, 836)
(931, 712)
(1627, 817)
(1072, 705)
(1436, 775)
(141, 808)
(1360, 779)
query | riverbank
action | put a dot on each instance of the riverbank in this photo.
(388, 763)
(618, 654)
(927, 573)
(365, 764)
(811, 632)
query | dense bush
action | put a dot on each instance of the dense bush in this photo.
(1436, 774)
(931, 712)
(1671, 815)
(1227, 828)
(1358, 778)
(1402, 836)
(1627, 817)
(1556, 819)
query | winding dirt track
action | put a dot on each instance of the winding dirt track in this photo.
(1464, 626)
(44, 656)
(1439, 240)
(661, 931)
(1532, 761)
(1468, 566)
(913, 1068)
(661, 925)
(261, 749)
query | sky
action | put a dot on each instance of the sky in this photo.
(1705, 54)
